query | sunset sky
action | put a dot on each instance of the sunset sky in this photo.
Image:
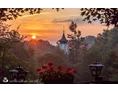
(48, 25)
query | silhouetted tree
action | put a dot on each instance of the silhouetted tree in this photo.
(108, 16)
(13, 13)
(7, 39)
(75, 43)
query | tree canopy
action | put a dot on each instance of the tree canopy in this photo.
(75, 42)
(107, 16)
(13, 13)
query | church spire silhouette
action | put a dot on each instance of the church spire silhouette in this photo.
(63, 39)
(63, 30)
(63, 42)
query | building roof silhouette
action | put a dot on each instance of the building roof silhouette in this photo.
(63, 39)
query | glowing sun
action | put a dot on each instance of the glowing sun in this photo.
(33, 37)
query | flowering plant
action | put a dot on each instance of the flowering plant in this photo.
(55, 75)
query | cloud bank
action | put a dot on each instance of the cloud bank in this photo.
(79, 21)
(76, 20)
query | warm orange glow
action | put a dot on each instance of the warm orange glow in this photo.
(49, 24)
(33, 37)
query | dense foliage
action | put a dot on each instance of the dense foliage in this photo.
(76, 43)
(104, 51)
(9, 55)
(58, 57)
(107, 16)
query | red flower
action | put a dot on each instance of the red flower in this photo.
(73, 71)
(59, 68)
(41, 73)
(68, 69)
(50, 72)
(38, 69)
(50, 64)
(44, 67)
(51, 68)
